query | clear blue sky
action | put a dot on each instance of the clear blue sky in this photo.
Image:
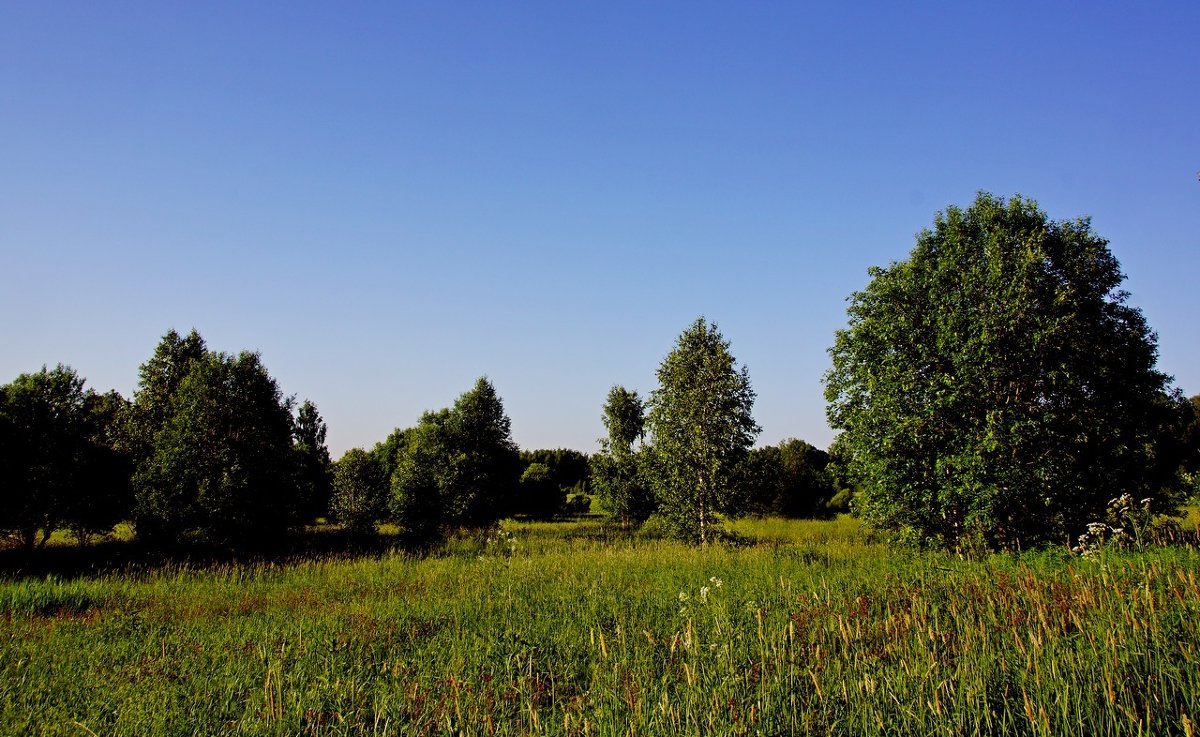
(390, 199)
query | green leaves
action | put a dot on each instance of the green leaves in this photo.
(58, 466)
(221, 464)
(996, 383)
(702, 427)
(615, 469)
(459, 466)
(359, 491)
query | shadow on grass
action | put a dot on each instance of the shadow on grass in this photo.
(317, 542)
(111, 557)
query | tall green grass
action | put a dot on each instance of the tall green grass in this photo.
(583, 629)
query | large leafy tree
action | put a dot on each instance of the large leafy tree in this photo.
(485, 465)
(222, 465)
(701, 427)
(616, 474)
(995, 387)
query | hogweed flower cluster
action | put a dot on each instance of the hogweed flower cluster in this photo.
(501, 543)
(1126, 525)
(684, 597)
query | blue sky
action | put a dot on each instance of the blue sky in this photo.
(388, 200)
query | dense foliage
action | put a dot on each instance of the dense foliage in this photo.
(159, 379)
(59, 462)
(787, 480)
(360, 491)
(701, 429)
(995, 389)
(542, 494)
(617, 469)
(222, 467)
(459, 467)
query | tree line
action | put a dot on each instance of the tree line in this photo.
(209, 450)
(994, 391)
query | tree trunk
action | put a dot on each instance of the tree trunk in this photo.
(28, 537)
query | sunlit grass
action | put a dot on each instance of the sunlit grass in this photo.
(1191, 517)
(585, 628)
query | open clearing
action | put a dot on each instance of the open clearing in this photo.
(573, 628)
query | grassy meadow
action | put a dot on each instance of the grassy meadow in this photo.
(579, 629)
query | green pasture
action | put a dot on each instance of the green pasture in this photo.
(582, 629)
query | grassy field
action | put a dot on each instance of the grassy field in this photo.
(577, 629)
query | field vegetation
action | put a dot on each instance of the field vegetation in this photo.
(192, 560)
(584, 628)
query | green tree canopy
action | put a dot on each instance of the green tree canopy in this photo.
(616, 472)
(389, 450)
(222, 467)
(788, 480)
(314, 473)
(360, 491)
(420, 477)
(485, 465)
(159, 378)
(459, 467)
(701, 429)
(995, 386)
(57, 468)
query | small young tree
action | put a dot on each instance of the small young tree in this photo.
(701, 429)
(360, 491)
(616, 473)
(314, 471)
(418, 481)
